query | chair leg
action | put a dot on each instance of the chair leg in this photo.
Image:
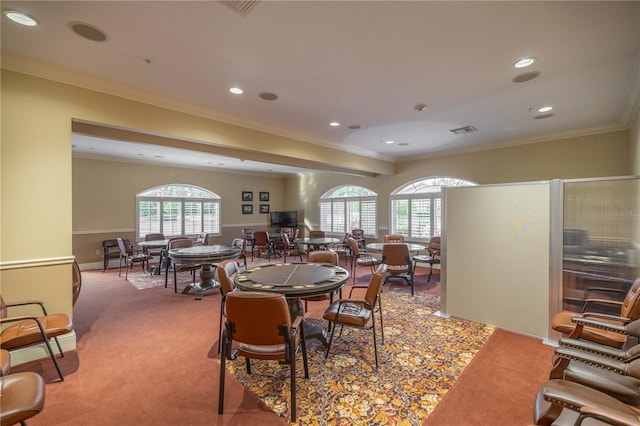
(222, 300)
(175, 279)
(375, 344)
(292, 367)
(381, 324)
(223, 371)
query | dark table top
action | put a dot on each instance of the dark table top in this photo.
(293, 279)
(204, 254)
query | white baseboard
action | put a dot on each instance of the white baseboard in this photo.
(31, 353)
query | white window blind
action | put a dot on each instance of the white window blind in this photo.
(349, 207)
(177, 210)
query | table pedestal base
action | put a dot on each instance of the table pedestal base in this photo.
(207, 282)
(311, 331)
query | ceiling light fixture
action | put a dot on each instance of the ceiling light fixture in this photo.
(236, 91)
(389, 142)
(545, 109)
(524, 62)
(420, 107)
(463, 130)
(88, 31)
(334, 124)
(21, 18)
(267, 96)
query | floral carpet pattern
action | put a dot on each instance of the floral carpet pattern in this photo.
(421, 358)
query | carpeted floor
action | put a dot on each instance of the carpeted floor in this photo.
(421, 358)
(149, 357)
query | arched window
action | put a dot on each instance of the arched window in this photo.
(177, 210)
(416, 208)
(349, 207)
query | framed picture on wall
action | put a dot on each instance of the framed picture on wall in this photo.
(247, 209)
(264, 196)
(264, 208)
(247, 196)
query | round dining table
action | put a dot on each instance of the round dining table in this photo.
(151, 244)
(294, 281)
(206, 256)
(316, 242)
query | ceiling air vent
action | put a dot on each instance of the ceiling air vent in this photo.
(243, 7)
(463, 130)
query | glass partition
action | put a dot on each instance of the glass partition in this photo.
(601, 240)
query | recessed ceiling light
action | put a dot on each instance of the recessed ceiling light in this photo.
(545, 109)
(420, 107)
(159, 156)
(389, 142)
(236, 91)
(524, 62)
(88, 31)
(267, 96)
(334, 124)
(21, 18)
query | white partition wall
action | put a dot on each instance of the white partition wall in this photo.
(496, 256)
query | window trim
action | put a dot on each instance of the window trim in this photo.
(213, 199)
(345, 199)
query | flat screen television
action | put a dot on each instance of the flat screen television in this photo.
(284, 219)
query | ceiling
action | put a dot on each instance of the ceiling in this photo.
(366, 65)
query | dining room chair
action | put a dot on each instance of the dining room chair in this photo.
(5, 362)
(342, 248)
(433, 249)
(154, 237)
(202, 239)
(130, 256)
(263, 244)
(261, 327)
(358, 235)
(290, 248)
(110, 250)
(23, 396)
(226, 270)
(394, 238)
(247, 234)
(566, 322)
(27, 330)
(358, 313)
(327, 257)
(178, 243)
(360, 257)
(240, 243)
(317, 234)
(399, 263)
(557, 395)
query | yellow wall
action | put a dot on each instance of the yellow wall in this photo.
(104, 194)
(635, 145)
(36, 184)
(590, 156)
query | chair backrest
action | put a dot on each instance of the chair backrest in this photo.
(203, 239)
(247, 233)
(107, 244)
(316, 234)
(125, 246)
(358, 234)
(257, 317)
(323, 256)
(286, 242)
(434, 246)
(296, 233)
(261, 238)
(226, 270)
(395, 254)
(240, 243)
(394, 238)
(353, 245)
(154, 237)
(631, 303)
(179, 242)
(375, 285)
(287, 231)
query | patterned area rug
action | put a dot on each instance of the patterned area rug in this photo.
(142, 280)
(422, 356)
